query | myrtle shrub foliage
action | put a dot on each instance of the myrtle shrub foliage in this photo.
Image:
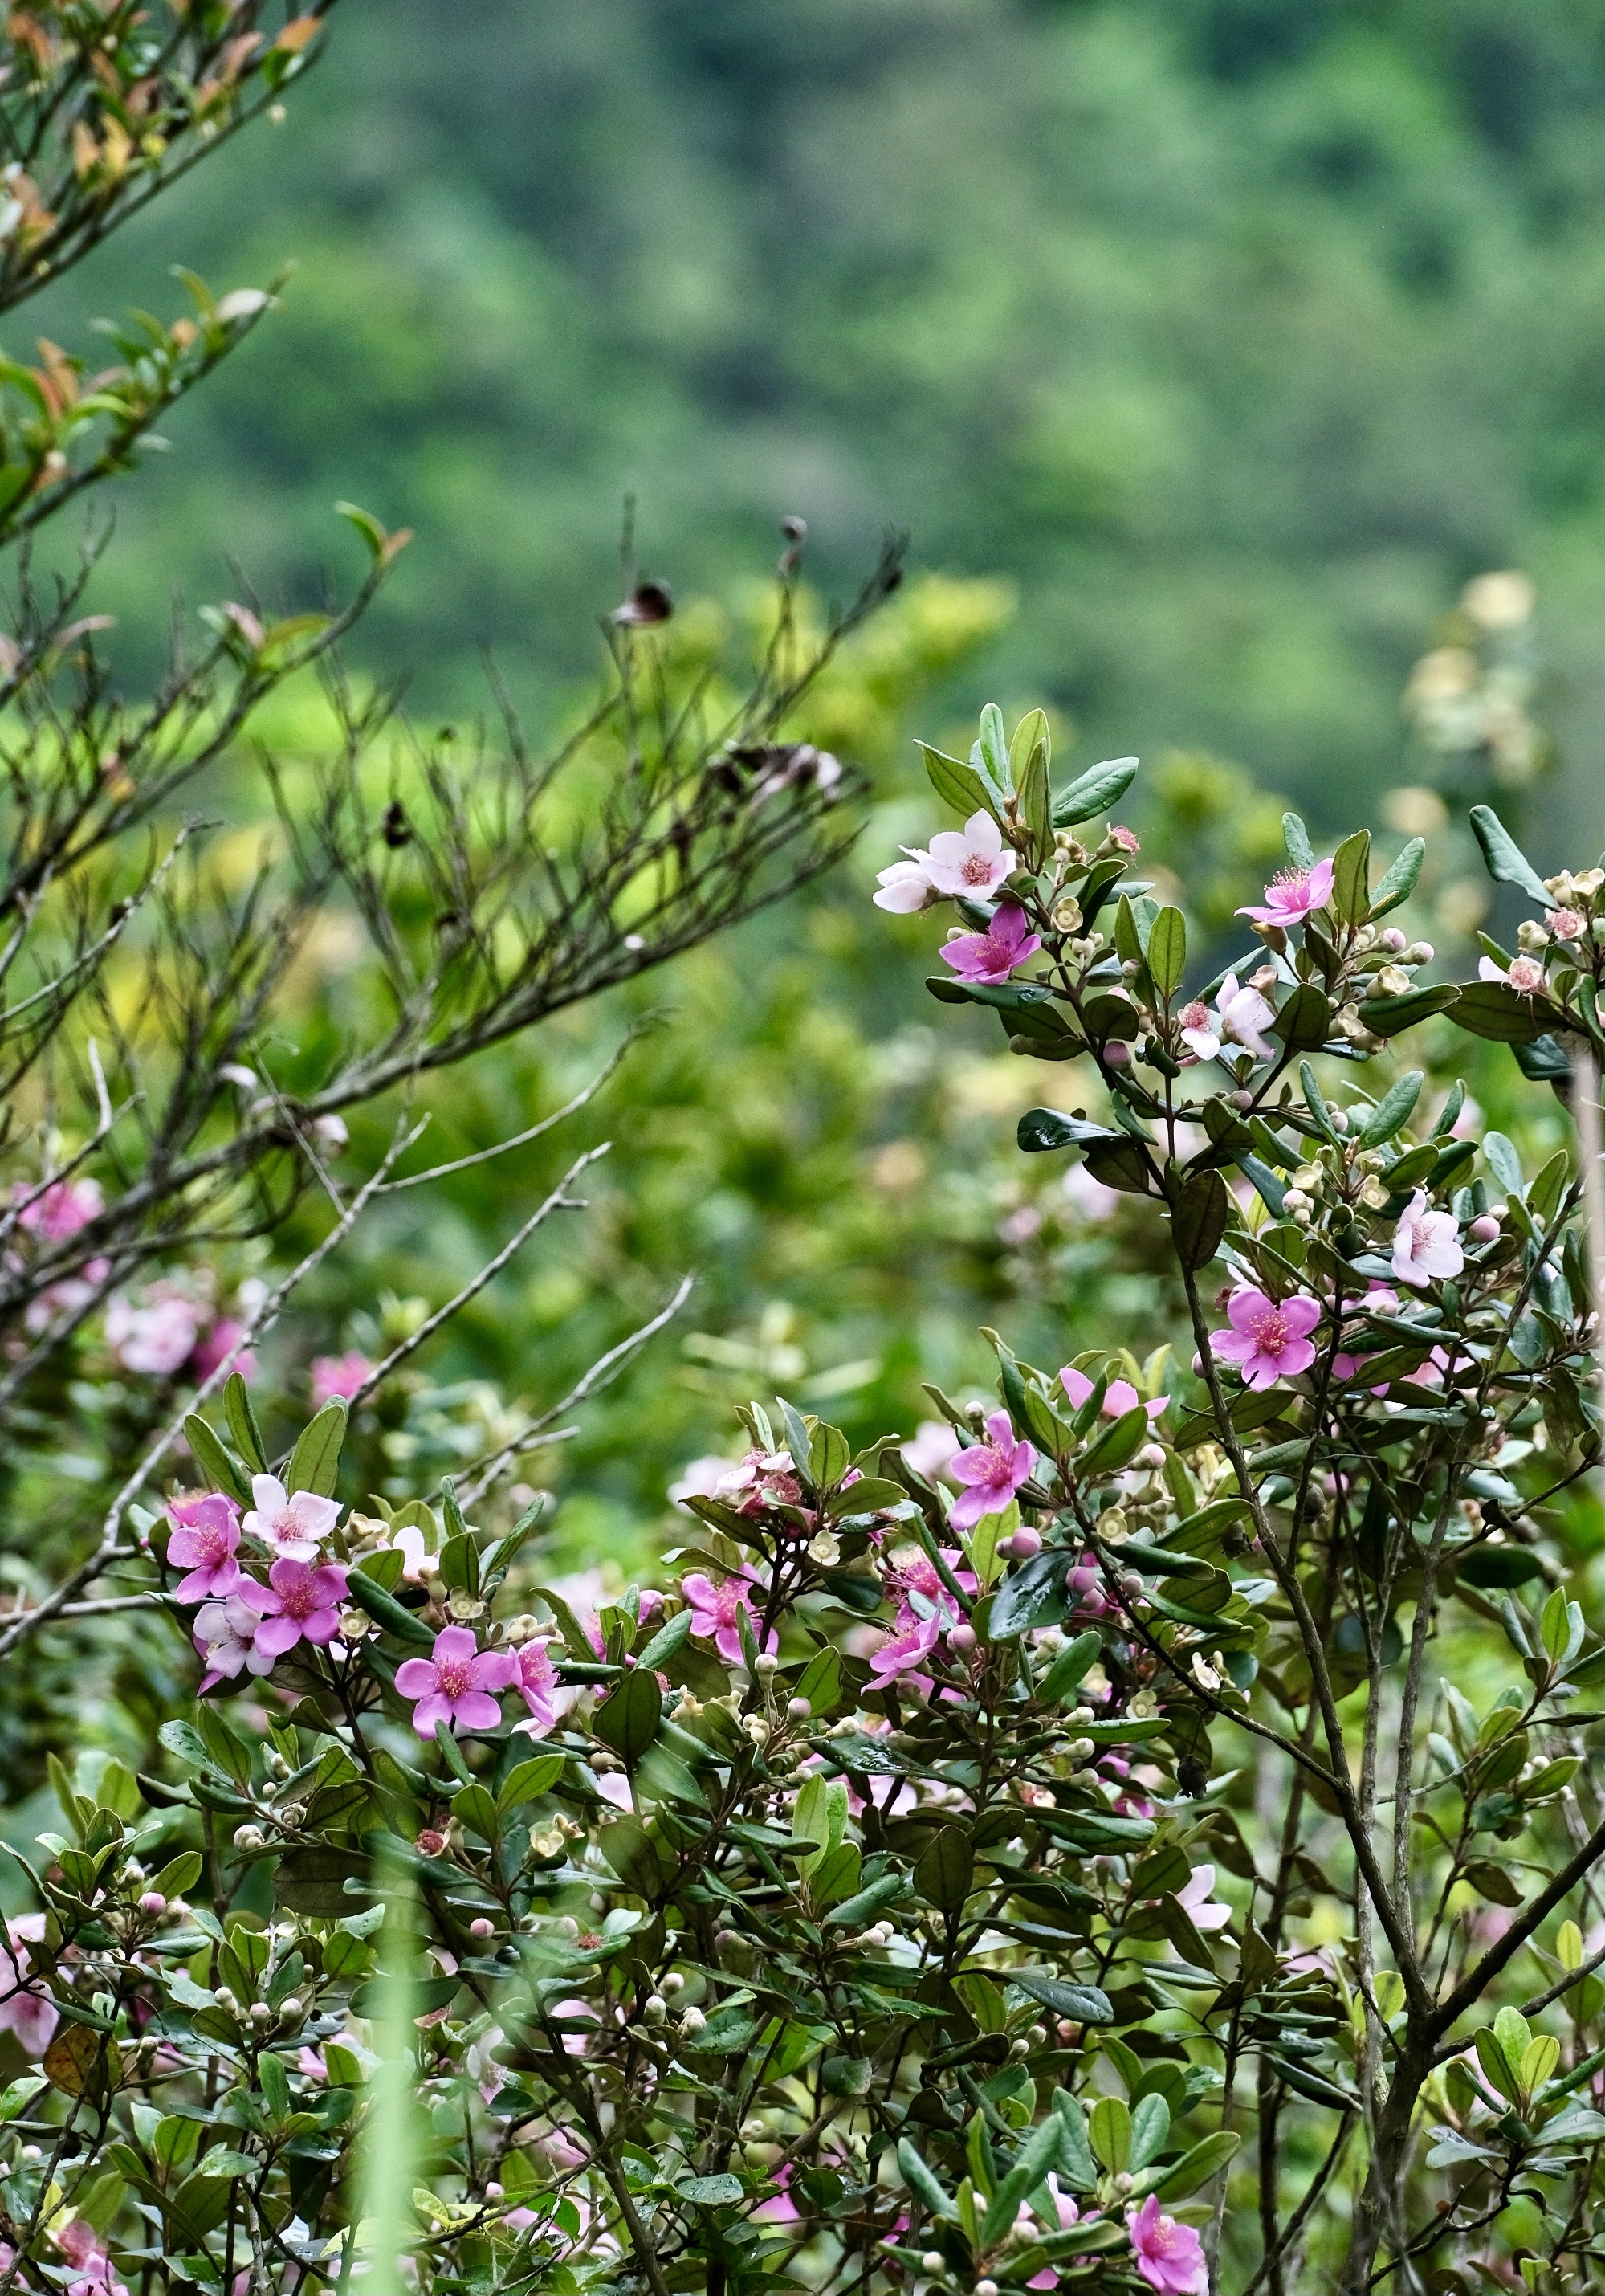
(983, 1863)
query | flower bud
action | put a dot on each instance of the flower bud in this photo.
(481, 1928)
(1025, 1542)
(691, 2024)
(1393, 940)
(963, 1639)
(292, 2009)
(1484, 1228)
(261, 2013)
(985, 2288)
(248, 1837)
(932, 2263)
(797, 1710)
(766, 1665)
(654, 2009)
(152, 1902)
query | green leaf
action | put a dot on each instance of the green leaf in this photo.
(1199, 1221)
(386, 1611)
(1390, 1016)
(627, 1721)
(1150, 2129)
(1392, 1113)
(1094, 791)
(1034, 1596)
(1301, 853)
(957, 784)
(867, 1903)
(1196, 2168)
(1042, 1130)
(666, 1642)
(1505, 857)
(1119, 1442)
(1108, 2125)
(216, 1462)
(314, 1463)
(711, 2191)
(1305, 1019)
(242, 1423)
(526, 1780)
(1398, 883)
(1351, 879)
(922, 2183)
(1069, 1667)
(1028, 763)
(1168, 951)
(946, 1869)
(1087, 2005)
(993, 747)
(1493, 1010)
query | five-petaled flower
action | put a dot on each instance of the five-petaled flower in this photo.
(225, 1635)
(1293, 895)
(292, 1523)
(1240, 1017)
(1524, 974)
(54, 1213)
(1269, 1338)
(1169, 2256)
(991, 1473)
(972, 861)
(1204, 1912)
(337, 1376)
(715, 1612)
(1426, 1243)
(456, 1683)
(536, 1684)
(988, 958)
(1120, 1396)
(297, 1604)
(205, 1535)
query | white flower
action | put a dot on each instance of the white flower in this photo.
(973, 860)
(1426, 1243)
(1202, 1911)
(904, 888)
(293, 1525)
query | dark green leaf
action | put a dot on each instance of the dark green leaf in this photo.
(1392, 1113)
(1493, 1009)
(627, 1721)
(1043, 1129)
(1088, 2005)
(1168, 951)
(1094, 791)
(314, 1463)
(1305, 1020)
(1390, 1016)
(1199, 1221)
(945, 1868)
(216, 1462)
(386, 1611)
(1399, 883)
(1351, 879)
(1505, 857)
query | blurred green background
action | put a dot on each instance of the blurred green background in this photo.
(1206, 348)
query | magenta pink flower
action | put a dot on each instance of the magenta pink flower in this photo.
(342, 1375)
(25, 2009)
(1169, 2256)
(536, 1684)
(1118, 1397)
(456, 1683)
(61, 1211)
(297, 1604)
(205, 1536)
(290, 1523)
(991, 1471)
(1292, 895)
(988, 958)
(1269, 1338)
(716, 1611)
(1426, 1243)
(218, 1343)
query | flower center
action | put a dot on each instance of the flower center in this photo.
(300, 1601)
(1271, 1332)
(976, 869)
(453, 1677)
(214, 1546)
(1195, 1016)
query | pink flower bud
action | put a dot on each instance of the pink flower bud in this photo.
(1484, 1229)
(962, 1638)
(1393, 940)
(152, 1902)
(481, 1928)
(1023, 1545)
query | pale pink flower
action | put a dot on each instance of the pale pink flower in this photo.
(699, 1479)
(456, 1683)
(906, 889)
(1292, 895)
(27, 2010)
(310, 2064)
(1065, 2214)
(297, 1604)
(1126, 839)
(536, 1684)
(225, 1635)
(1269, 1338)
(714, 1612)
(1565, 924)
(88, 2254)
(1426, 1243)
(931, 1449)
(991, 1471)
(1169, 2256)
(293, 1524)
(156, 1338)
(1524, 974)
(341, 1376)
(62, 1209)
(1200, 1029)
(218, 1343)
(418, 1565)
(1202, 1911)
(1118, 1397)
(1242, 1014)
(206, 1537)
(973, 861)
(990, 958)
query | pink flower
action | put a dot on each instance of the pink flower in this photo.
(1525, 974)
(992, 1473)
(1126, 839)
(1202, 1910)
(293, 1525)
(334, 1376)
(536, 1684)
(217, 1343)
(904, 888)
(225, 1635)
(1426, 1243)
(1565, 924)
(907, 1646)
(61, 1211)
(1065, 2214)
(988, 958)
(714, 1612)
(1269, 1338)
(1200, 1029)
(972, 861)
(297, 1604)
(1292, 894)
(156, 1338)
(311, 2065)
(1169, 2256)
(205, 1535)
(27, 2011)
(419, 1565)
(1118, 1397)
(456, 1683)
(699, 1479)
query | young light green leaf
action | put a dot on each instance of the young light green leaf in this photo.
(1398, 881)
(1168, 951)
